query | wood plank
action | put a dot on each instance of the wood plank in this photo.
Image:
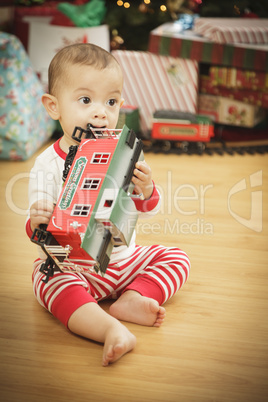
(213, 345)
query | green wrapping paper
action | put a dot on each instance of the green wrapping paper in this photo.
(86, 15)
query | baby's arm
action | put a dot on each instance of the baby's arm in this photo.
(40, 213)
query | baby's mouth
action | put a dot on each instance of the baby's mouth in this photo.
(97, 130)
(89, 126)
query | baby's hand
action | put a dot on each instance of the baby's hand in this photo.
(40, 213)
(142, 178)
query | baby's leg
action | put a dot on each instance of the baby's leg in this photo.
(133, 307)
(90, 321)
(74, 306)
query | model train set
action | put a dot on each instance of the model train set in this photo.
(186, 133)
(95, 210)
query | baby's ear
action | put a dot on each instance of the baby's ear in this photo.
(51, 105)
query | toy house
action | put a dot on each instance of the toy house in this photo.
(95, 210)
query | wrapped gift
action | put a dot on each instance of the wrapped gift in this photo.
(229, 111)
(46, 40)
(24, 122)
(236, 78)
(233, 30)
(253, 97)
(21, 26)
(165, 40)
(154, 82)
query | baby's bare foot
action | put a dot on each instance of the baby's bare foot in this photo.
(118, 342)
(133, 307)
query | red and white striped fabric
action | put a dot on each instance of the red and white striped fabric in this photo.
(153, 82)
(154, 271)
(233, 30)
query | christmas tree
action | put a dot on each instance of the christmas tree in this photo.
(132, 21)
(238, 8)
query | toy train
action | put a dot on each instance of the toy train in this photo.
(95, 210)
(170, 126)
(173, 128)
(179, 132)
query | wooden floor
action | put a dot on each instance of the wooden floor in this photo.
(213, 345)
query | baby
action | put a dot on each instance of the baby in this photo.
(85, 86)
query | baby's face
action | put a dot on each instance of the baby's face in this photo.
(89, 96)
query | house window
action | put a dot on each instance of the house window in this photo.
(80, 210)
(100, 158)
(90, 184)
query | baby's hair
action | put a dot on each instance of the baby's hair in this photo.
(81, 54)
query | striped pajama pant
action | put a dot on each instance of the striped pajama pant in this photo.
(153, 271)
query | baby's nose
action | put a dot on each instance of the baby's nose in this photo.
(99, 112)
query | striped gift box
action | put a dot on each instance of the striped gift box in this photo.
(233, 30)
(164, 40)
(153, 82)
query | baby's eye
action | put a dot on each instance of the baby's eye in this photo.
(112, 102)
(85, 100)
